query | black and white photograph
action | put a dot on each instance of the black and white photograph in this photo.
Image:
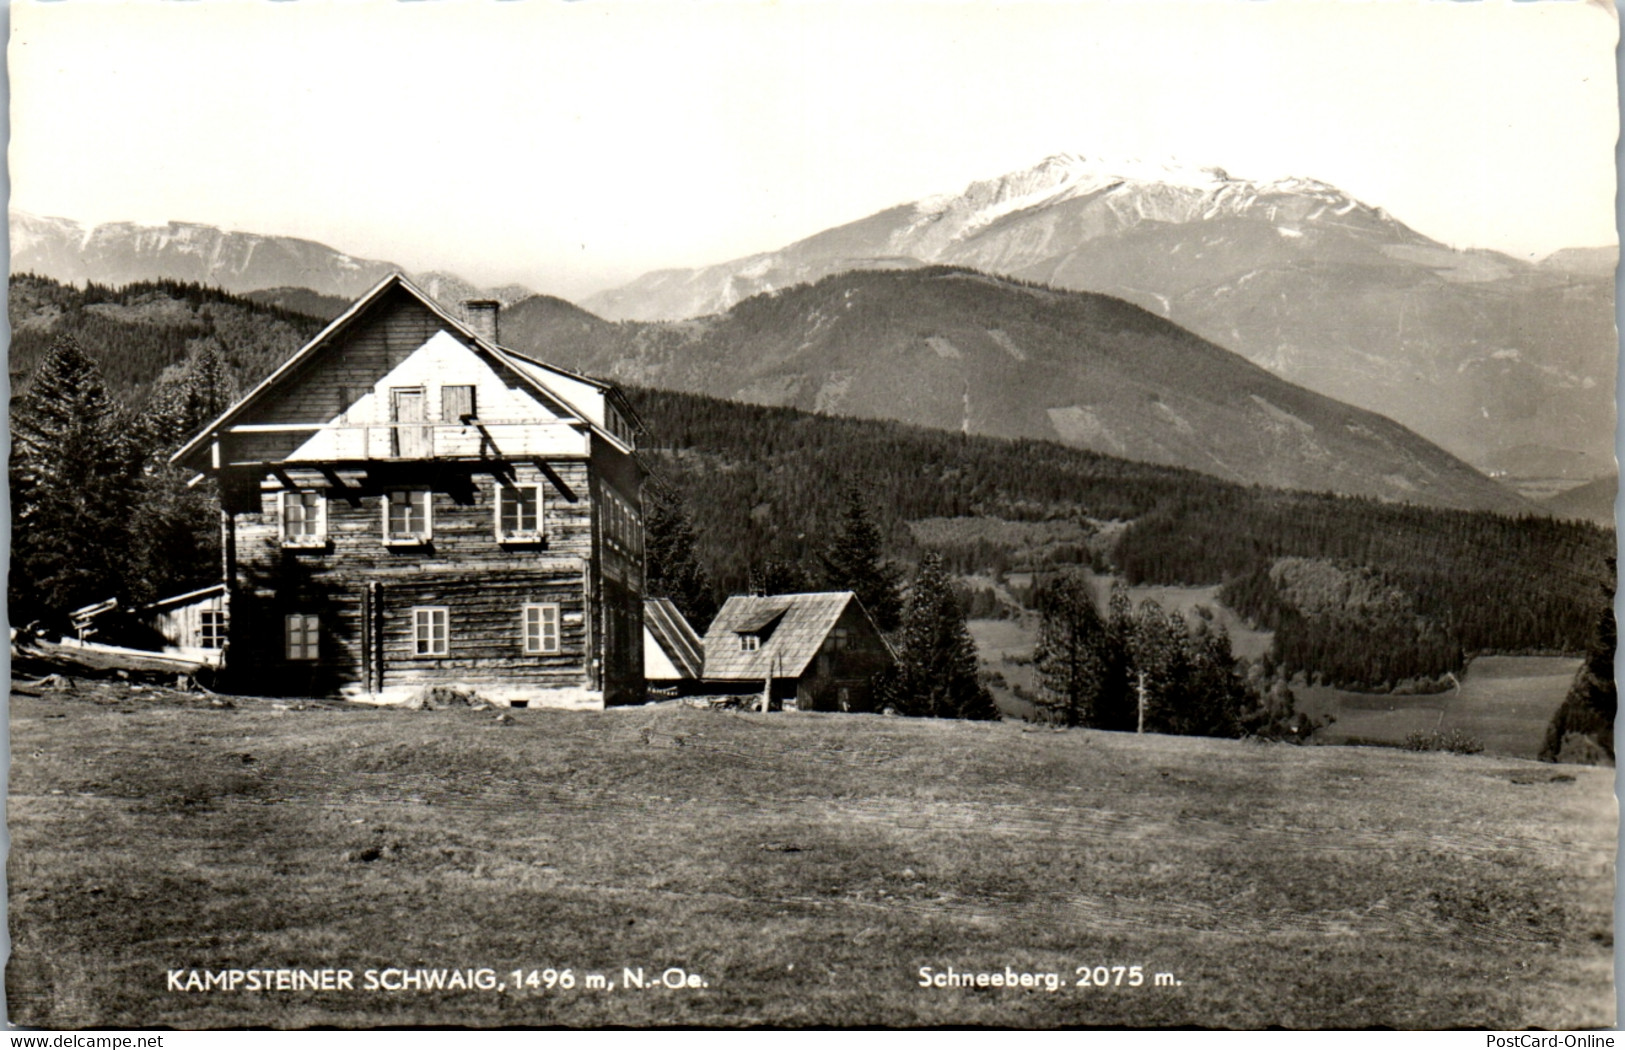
(912, 514)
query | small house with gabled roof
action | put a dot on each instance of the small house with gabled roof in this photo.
(408, 503)
(673, 652)
(821, 652)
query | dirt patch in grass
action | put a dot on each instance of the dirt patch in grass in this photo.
(806, 866)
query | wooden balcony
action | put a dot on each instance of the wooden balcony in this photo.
(261, 443)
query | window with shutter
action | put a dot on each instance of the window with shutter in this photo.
(456, 404)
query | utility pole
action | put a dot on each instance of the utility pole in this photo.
(1140, 688)
(767, 685)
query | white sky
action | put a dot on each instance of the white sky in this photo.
(573, 146)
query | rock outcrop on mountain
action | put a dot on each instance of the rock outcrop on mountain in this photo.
(120, 253)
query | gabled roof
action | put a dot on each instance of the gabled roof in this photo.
(676, 638)
(529, 371)
(760, 619)
(183, 599)
(803, 622)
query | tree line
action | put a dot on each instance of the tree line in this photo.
(766, 497)
(97, 509)
(759, 480)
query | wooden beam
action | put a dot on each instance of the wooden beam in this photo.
(336, 484)
(558, 483)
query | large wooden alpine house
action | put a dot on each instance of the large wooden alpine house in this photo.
(406, 503)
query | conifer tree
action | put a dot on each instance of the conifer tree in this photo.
(177, 532)
(1117, 705)
(184, 400)
(853, 562)
(1070, 654)
(936, 659)
(1588, 711)
(673, 568)
(1160, 660)
(74, 473)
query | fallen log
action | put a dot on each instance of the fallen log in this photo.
(90, 659)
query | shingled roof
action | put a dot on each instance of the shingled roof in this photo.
(792, 626)
(676, 638)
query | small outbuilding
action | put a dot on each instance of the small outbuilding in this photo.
(820, 652)
(673, 652)
(191, 625)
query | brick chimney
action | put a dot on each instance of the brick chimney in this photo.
(482, 318)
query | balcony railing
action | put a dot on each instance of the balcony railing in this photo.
(263, 443)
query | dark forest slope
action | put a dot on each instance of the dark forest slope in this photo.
(760, 483)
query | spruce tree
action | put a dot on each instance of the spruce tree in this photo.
(853, 563)
(184, 400)
(1070, 655)
(1117, 705)
(936, 660)
(1587, 712)
(74, 473)
(177, 530)
(673, 568)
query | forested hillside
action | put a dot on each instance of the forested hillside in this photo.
(137, 331)
(1365, 592)
(955, 349)
(761, 485)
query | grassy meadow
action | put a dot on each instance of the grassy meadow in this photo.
(804, 866)
(1504, 702)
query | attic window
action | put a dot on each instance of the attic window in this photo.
(749, 643)
(618, 426)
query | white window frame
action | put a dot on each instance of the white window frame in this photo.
(203, 632)
(544, 612)
(410, 539)
(301, 637)
(749, 643)
(522, 536)
(311, 539)
(423, 644)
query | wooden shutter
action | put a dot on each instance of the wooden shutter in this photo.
(456, 404)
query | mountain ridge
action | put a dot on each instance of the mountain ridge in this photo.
(956, 349)
(1474, 349)
(121, 253)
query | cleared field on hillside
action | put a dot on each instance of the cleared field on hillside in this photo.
(1504, 701)
(805, 866)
